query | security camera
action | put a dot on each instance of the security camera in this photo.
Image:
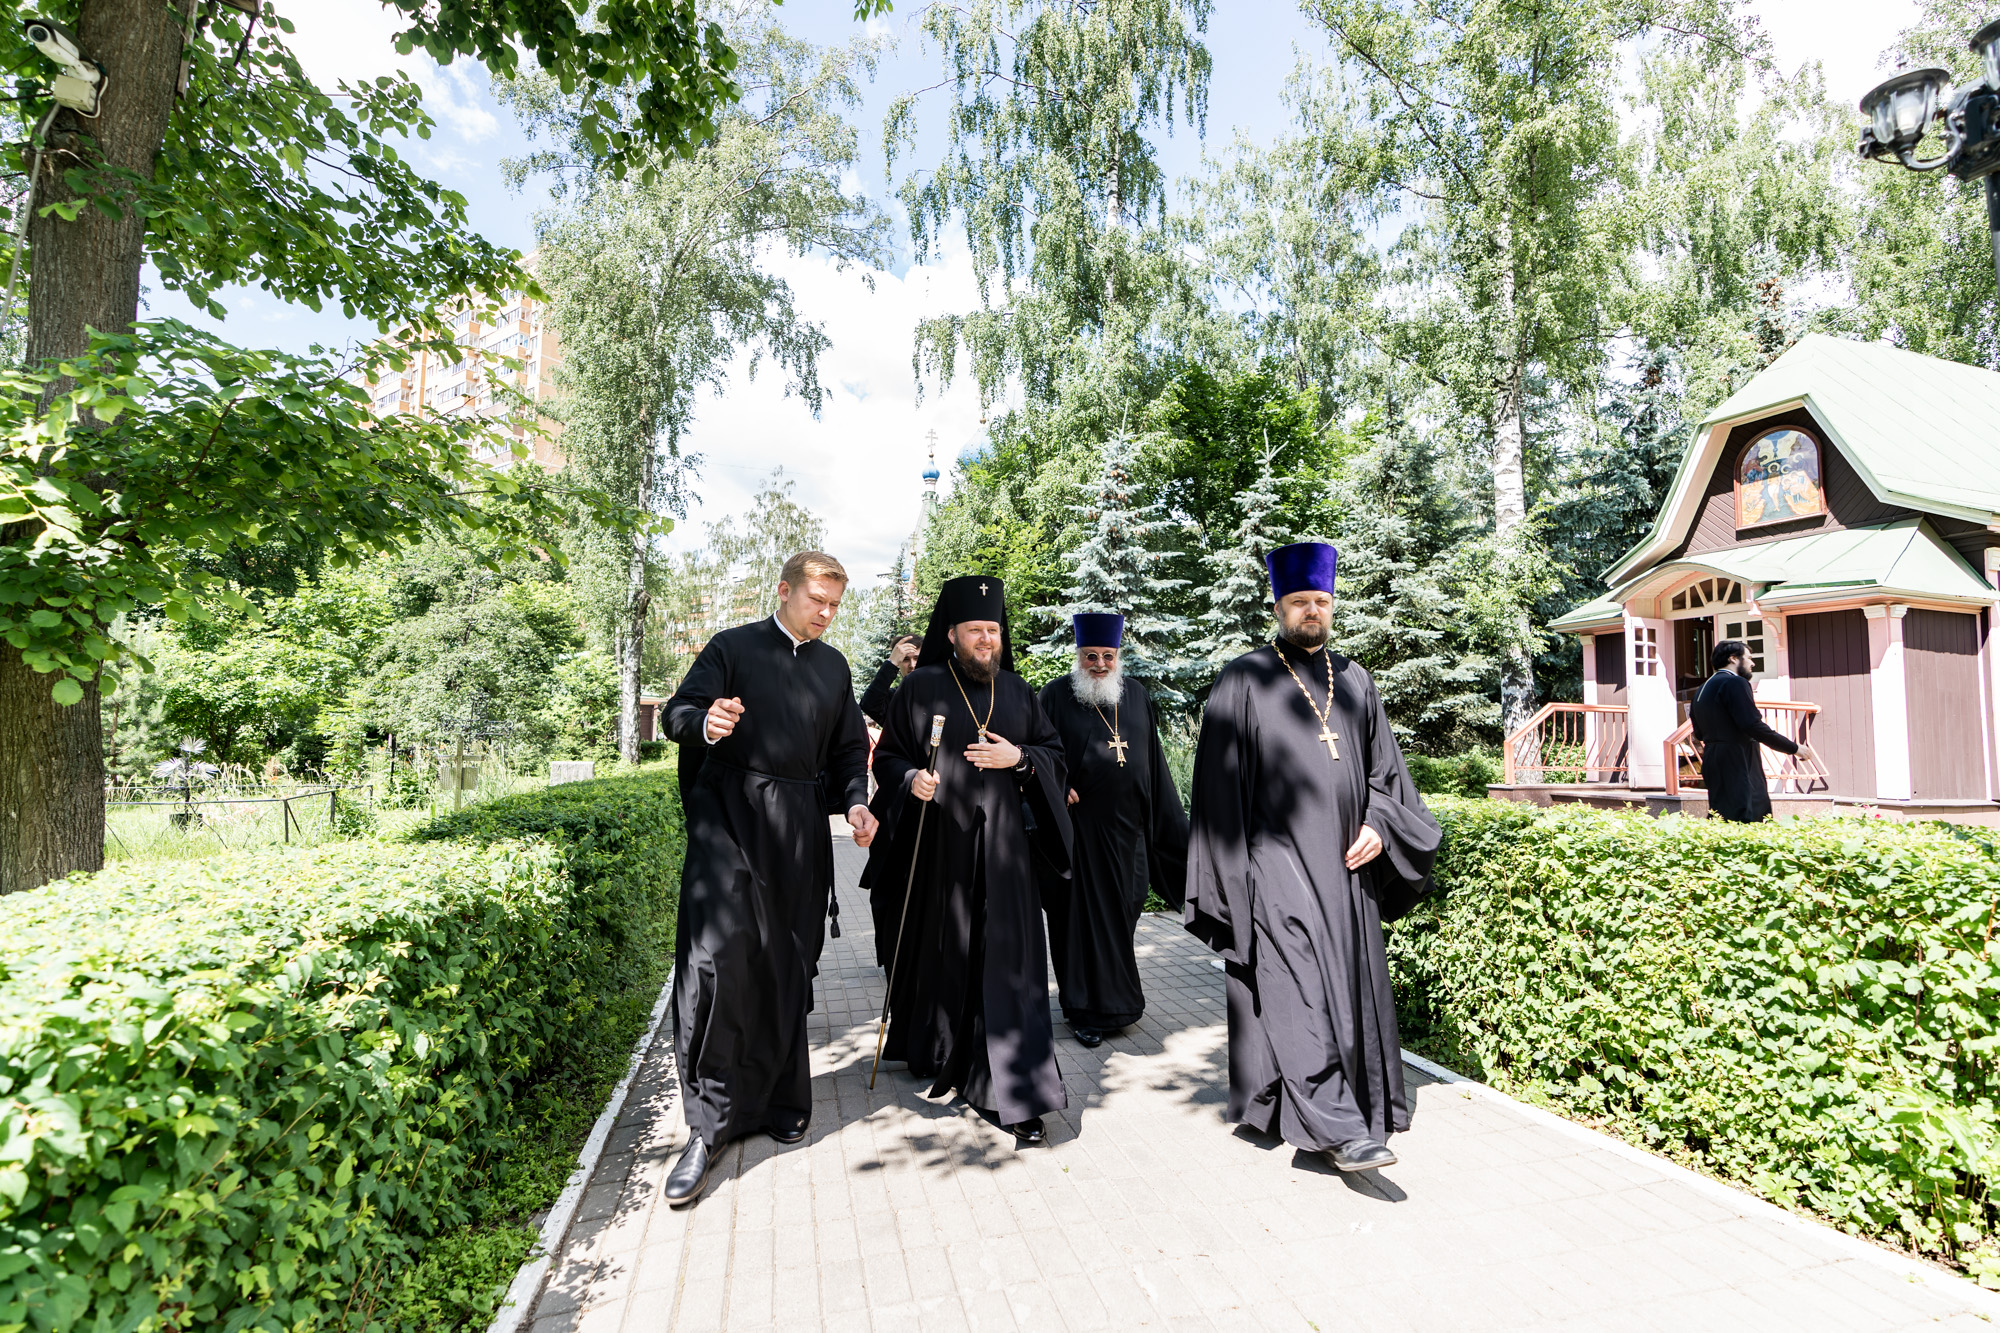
(54, 41)
(78, 85)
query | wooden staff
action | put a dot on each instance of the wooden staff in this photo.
(882, 1027)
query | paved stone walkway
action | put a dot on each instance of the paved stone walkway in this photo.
(1145, 1211)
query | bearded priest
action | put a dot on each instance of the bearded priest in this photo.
(968, 959)
(1129, 831)
(1307, 835)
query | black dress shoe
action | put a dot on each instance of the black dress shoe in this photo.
(1087, 1036)
(788, 1127)
(1361, 1155)
(1028, 1131)
(684, 1182)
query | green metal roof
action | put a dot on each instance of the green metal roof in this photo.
(1901, 559)
(1922, 432)
(1926, 431)
(1590, 615)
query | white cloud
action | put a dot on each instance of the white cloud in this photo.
(353, 40)
(860, 466)
(1846, 37)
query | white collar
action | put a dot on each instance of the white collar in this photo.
(784, 630)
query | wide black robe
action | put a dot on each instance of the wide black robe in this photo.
(1130, 833)
(759, 869)
(1731, 732)
(1314, 1053)
(969, 1006)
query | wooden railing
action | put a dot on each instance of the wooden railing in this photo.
(1782, 772)
(1569, 743)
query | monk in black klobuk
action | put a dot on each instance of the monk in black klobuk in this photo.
(969, 1001)
(1129, 832)
(1731, 730)
(766, 722)
(1307, 834)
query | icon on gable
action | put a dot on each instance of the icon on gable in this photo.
(1778, 478)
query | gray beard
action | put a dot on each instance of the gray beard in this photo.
(1307, 636)
(979, 673)
(1098, 693)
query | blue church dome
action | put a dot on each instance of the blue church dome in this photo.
(930, 474)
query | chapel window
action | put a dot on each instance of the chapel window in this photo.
(1778, 478)
(1646, 651)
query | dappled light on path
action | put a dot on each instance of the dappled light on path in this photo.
(1145, 1211)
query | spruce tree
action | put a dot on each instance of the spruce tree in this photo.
(1408, 604)
(1239, 595)
(1112, 569)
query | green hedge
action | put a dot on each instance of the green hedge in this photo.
(1810, 1008)
(244, 1092)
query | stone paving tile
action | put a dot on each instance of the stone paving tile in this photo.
(1145, 1211)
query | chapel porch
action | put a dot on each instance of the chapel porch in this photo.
(1581, 754)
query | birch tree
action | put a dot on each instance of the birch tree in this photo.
(659, 279)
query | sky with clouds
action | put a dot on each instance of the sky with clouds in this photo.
(858, 465)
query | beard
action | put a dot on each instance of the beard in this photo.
(1307, 634)
(978, 672)
(1095, 692)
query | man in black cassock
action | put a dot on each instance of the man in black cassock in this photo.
(901, 661)
(1129, 832)
(969, 983)
(1307, 834)
(1730, 729)
(767, 723)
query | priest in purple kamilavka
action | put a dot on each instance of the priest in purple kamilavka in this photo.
(1307, 835)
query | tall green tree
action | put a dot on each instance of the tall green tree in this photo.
(1499, 118)
(213, 158)
(658, 280)
(1050, 171)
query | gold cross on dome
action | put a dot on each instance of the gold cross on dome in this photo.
(1326, 734)
(982, 590)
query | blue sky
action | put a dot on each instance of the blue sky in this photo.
(858, 465)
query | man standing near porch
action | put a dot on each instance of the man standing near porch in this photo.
(1730, 729)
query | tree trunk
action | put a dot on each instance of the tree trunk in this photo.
(1510, 495)
(630, 646)
(82, 275)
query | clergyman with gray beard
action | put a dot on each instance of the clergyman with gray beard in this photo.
(1129, 831)
(1307, 834)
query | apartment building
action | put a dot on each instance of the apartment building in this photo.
(461, 383)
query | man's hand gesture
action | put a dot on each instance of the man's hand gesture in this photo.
(996, 751)
(722, 716)
(864, 824)
(923, 785)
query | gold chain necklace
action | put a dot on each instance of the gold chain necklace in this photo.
(1117, 743)
(992, 698)
(1326, 732)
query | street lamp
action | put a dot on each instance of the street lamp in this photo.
(1900, 111)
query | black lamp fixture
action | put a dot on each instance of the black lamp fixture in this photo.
(1900, 111)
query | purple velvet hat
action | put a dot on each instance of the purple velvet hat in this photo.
(1098, 629)
(1301, 567)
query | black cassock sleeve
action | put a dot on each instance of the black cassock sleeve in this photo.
(1410, 835)
(1741, 701)
(1045, 790)
(687, 712)
(1219, 821)
(1166, 861)
(875, 699)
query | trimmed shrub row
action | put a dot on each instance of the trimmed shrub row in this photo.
(244, 1092)
(1810, 1009)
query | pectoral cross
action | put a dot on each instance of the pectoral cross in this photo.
(1117, 746)
(1326, 734)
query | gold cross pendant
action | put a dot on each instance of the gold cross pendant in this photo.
(1326, 734)
(1117, 746)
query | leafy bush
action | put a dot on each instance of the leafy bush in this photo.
(1809, 1008)
(246, 1092)
(1468, 774)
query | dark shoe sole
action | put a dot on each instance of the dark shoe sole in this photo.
(1390, 1160)
(691, 1199)
(799, 1137)
(1093, 1040)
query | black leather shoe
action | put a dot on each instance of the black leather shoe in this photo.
(1361, 1155)
(1087, 1036)
(684, 1182)
(1028, 1131)
(788, 1127)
